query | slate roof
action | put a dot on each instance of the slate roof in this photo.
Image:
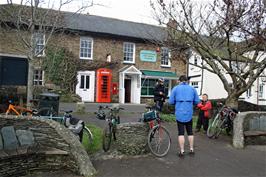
(98, 24)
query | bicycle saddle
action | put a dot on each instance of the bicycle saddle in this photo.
(69, 111)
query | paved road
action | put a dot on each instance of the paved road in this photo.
(213, 157)
(92, 107)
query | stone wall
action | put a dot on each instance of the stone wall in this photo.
(252, 122)
(102, 45)
(30, 144)
(131, 139)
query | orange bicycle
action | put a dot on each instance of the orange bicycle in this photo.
(18, 110)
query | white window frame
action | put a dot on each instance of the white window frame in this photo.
(156, 79)
(124, 52)
(249, 93)
(195, 60)
(169, 56)
(86, 39)
(195, 84)
(38, 80)
(36, 44)
(261, 90)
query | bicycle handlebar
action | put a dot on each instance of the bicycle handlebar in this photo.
(67, 112)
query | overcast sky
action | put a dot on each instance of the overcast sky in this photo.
(132, 10)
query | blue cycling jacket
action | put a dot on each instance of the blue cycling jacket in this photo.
(184, 96)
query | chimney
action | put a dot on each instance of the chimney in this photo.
(172, 24)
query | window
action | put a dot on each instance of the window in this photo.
(38, 77)
(84, 82)
(39, 44)
(149, 84)
(165, 61)
(238, 67)
(195, 84)
(129, 52)
(195, 60)
(86, 47)
(261, 90)
(248, 93)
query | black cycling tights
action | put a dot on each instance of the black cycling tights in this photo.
(181, 128)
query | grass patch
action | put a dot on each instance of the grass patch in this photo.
(97, 139)
(172, 118)
(168, 117)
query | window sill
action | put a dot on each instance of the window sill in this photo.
(147, 96)
(166, 66)
(82, 58)
(127, 62)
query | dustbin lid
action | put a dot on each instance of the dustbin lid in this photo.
(49, 94)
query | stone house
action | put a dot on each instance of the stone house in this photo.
(134, 49)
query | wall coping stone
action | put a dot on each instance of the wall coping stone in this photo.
(73, 148)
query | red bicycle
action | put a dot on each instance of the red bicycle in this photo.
(159, 140)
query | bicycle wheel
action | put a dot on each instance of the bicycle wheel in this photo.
(159, 141)
(87, 137)
(107, 137)
(213, 128)
(219, 127)
(46, 111)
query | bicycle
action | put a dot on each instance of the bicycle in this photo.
(110, 130)
(101, 113)
(223, 120)
(71, 123)
(159, 140)
(19, 110)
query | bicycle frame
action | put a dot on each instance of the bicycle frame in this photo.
(17, 109)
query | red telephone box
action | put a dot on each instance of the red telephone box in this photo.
(104, 78)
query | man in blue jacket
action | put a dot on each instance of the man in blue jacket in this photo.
(184, 96)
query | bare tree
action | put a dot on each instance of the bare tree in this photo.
(229, 35)
(34, 26)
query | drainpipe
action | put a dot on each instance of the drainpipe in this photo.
(258, 85)
(201, 87)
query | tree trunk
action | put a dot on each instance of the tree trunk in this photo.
(232, 101)
(30, 83)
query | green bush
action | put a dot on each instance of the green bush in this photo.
(168, 117)
(168, 109)
(69, 98)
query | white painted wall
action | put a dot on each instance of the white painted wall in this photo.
(213, 86)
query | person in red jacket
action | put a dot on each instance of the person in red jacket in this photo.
(204, 113)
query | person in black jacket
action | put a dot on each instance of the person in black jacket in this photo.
(159, 94)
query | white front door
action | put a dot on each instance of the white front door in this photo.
(86, 85)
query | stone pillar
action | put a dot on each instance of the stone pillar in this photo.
(132, 138)
(238, 134)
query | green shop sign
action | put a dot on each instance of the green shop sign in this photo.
(148, 55)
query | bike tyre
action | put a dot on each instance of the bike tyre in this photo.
(46, 111)
(156, 131)
(87, 135)
(219, 126)
(212, 129)
(107, 138)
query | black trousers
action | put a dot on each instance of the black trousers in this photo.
(159, 105)
(202, 121)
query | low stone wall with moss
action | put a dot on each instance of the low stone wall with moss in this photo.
(34, 144)
(131, 139)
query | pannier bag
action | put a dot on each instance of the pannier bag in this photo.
(149, 116)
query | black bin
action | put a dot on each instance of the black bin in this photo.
(49, 100)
